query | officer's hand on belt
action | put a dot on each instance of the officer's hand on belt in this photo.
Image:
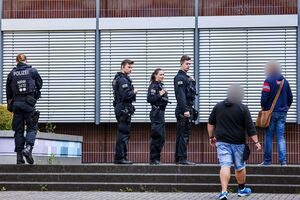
(162, 92)
(135, 91)
(187, 114)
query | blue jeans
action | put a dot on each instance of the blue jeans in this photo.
(231, 153)
(277, 124)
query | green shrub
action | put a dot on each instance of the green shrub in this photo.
(5, 118)
(50, 128)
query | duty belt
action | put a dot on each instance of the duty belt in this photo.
(22, 96)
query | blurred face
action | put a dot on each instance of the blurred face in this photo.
(270, 69)
(186, 65)
(159, 77)
(235, 93)
(127, 69)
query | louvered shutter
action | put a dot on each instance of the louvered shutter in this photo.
(238, 56)
(66, 62)
(150, 49)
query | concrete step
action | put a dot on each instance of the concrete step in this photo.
(145, 168)
(143, 187)
(145, 178)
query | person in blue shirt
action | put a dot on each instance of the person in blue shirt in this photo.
(278, 119)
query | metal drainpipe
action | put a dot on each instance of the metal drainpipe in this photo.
(298, 65)
(196, 56)
(98, 71)
(1, 53)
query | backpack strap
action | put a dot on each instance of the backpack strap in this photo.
(277, 96)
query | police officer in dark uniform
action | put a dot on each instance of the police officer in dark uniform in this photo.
(185, 92)
(23, 87)
(124, 95)
(158, 98)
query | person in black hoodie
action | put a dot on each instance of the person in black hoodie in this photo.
(228, 124)
(124, 95)
(278, 119)
(23, 87)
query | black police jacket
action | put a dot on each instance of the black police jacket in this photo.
(123, 89)
(23, 80)
(154, 98)
(185, 91)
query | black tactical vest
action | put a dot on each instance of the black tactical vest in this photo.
(22, 81)
(191, 89)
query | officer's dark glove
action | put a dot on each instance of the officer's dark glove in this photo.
(10, 105)
(37, 95)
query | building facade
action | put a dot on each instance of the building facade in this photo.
(77, 45)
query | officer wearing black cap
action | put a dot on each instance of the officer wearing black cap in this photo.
(158, 98)
(124, 95)
(23, 87)
(185, 92)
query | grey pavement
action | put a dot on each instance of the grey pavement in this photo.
(13, 195)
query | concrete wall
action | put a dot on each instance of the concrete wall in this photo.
(50, 148)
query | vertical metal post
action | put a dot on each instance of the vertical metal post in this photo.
(98, 70)
(298, 65)
(196, 56)
(1, 53)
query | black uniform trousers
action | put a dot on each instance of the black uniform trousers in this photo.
(23, 115)
(182, 137)
(158, 132)
(122, 139)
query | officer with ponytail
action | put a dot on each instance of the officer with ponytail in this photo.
(158, 98)
(23, 87)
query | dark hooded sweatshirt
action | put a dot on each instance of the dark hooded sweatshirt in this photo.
(232, 122)
(269, 91)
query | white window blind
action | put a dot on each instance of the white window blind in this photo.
(238, 56)
(149, 49)
(66, 62)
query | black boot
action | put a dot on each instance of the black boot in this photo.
(27, 152)
(123, 162)
(20, 159)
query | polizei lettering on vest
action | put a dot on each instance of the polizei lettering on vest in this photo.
(21, 73)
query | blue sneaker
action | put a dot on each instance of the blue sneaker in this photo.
(264, 164)
(283, 164)
(244, 192)
(223, 195)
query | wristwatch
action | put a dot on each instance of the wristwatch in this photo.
(211, 137)
(256, 142)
